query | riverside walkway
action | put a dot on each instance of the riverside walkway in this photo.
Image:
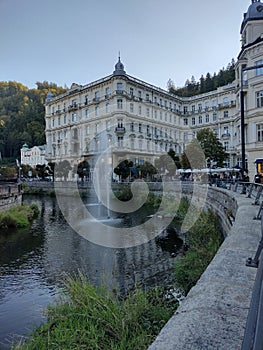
(214, 313)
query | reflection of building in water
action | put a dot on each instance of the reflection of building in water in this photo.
(141, 121)
(62, 251)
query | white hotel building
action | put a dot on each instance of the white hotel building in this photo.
(141, 121)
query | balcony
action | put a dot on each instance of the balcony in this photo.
(120, 130)
(96, 99)
(73, 107)
(225, 136)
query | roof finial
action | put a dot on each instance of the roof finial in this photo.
(119, 55)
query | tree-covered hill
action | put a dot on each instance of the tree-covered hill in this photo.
(205, 84)
(22, 115)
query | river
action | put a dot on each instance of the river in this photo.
(35, 261)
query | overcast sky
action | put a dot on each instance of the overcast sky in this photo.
(64, 41)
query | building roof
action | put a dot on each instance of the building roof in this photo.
(119, 68)
(254, 12)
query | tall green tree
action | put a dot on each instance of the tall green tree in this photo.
(212, 147)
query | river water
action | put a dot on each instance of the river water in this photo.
(34, 262)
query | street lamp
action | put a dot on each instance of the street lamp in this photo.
(242, 117)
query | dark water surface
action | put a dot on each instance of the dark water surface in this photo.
(33, 263)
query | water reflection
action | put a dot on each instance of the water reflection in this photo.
(33, 263)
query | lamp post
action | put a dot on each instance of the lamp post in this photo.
(242, 117)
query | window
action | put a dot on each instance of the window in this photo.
(96, 111)
(185, 109)
(132, 126)
(107, 92)
(225, 101)
(185, 121)
(147, 112)
(119, 87)
(147, 97)
(200, 119)
(214, 104)
(87, 130)
(214, 117)
(140, 145)
(107, 107)
(259, 71)
(225, 130)
(86, 112)
(225, 114)
(148, 130)
(140, 95)
(131, 91)
(193, 108)
(199, 107)
(259, 99)
(58, 120)
(131, 107)
(65, 119)
(259, 132)
(132, 143)
(193, 121)
(74, 117)
(161, 102)
(108, 125)
(207, 105)
(140, 127)
(96, 96)
(140, 110)
(207, 118)
(155, 114)
(53, 122)
(119, 103)
(86, 100)
(161, 115)
(226, 145)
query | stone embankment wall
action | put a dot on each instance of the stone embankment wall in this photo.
(10, 196)
(214, 313)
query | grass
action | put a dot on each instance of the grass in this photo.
(96, 319)
(18, 217)
(204, 240)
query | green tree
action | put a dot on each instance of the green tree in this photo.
(212, 147)
(83, 169)
(123, 169)
(62, 169)
(147, 169)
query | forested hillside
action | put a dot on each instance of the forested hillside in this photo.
(22, 116)
(205, 84)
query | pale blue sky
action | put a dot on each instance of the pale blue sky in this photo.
(78, 41)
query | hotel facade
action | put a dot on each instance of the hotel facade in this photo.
(139, 121)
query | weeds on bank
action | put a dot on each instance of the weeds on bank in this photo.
(93, 318)
(18, 217)
(204, 240)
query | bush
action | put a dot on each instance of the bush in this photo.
(18, 217)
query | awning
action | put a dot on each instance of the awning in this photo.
(259, 160)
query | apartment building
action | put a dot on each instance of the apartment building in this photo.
(33, 156)
(138, 121)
